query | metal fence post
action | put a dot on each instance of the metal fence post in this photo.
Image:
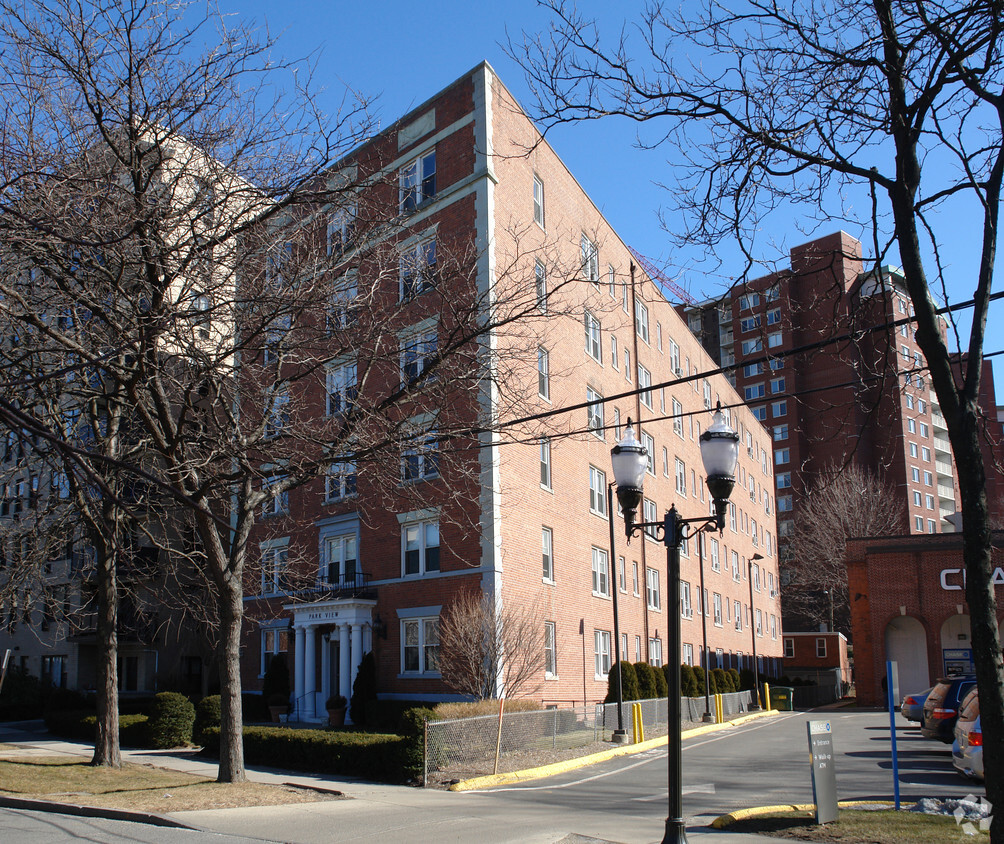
(425, 753)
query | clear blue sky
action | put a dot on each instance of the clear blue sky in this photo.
(402, 53)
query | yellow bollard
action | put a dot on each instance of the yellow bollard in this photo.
(719, 709)
(637, 723)
(766, 696)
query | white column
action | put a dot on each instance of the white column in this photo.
(310, 673)
(326, 666)
(344, 666)
(357, 648)
(367, 638)
(298, 670)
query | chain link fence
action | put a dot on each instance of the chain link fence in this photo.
(466, 747)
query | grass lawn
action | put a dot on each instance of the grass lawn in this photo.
(140, 788)
(862, 827)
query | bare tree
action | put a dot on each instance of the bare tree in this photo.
(896, 107)
(845, 503)
(491, 651)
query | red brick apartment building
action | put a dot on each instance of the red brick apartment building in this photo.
(818, 657)
(469, 167)
(908, 604)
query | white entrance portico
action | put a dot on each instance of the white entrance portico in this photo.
(344, 628)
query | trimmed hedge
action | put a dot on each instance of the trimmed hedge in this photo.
(376, 756)
(207, 714)
(171, 720)
(647, 688)
(82, 725)
(629, 683)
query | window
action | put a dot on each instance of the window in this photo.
(735, 566)
(820, 648)
(417, 181)
(780, 433)
(737, 614)
(911, 426)
(417, 353)
(634, 579)
(340, 560)
(782, 456)
(784, 504)
(421, 460)
(650, 514)
(783, 480)
(279, 267)
(597, 491)
(707, 396)
(929, 501)
(547, 552)
(681, 477)
(774, 316)
(674, 358)
(749, 323)
(276, 416)
(655, 652)
(688, 654)
(341, 222)
(274, 567)
(278, 503)
(913, 449)
(909, 398)
(617, 424)
(749, 301)
(652, 589)
(200, 306)
(622, 577)
(918, 522)
(420, 547)
(754, 391)
(601, 649)
(273, 641)
(925, 454)
(928, 478)
(759, 413)
(678, 418)
(590, 260)
(550, 650)
(658, 336)
(594, 413)
(641, 320)
(545, 463)
(931, 528)
(594, 347)
(340, 481)
(751, 346)
(275, 336)
(915, 474)
(751, 370)
(420, 648)
(417, 269)
(627, 364)
(779, 408)
(774, 340)
(538, 201)
(686, 610)
(716, 563)
(613, 352)
(789, 648)
(340, 389)
(665, 461)
(601, 573)
(612, 281)
(543, 368)
(540, 286)
(648, 443)
(923, 429)
(776, 385)
(916, 498)
(341, 307)
(921, 406)
(717, 603)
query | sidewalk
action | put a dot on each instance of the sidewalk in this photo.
(374, 812)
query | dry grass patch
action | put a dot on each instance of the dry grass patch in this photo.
(140, 788)
(861, 827)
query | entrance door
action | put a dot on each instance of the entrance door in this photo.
(906, 643)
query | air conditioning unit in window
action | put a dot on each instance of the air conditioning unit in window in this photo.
(739, 624)
(678, 372)
(749, 451)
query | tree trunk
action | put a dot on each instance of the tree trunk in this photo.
(106, 740)
(231, 714)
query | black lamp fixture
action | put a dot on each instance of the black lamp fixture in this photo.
(720, 454)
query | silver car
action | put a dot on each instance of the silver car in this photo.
(967, 749)
(912, 707)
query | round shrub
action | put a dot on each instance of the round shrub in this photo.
(722, 681)
(736, 682)
(629, 683)
(688, 681)
(171, 719)
(207, 714)
(646, 680)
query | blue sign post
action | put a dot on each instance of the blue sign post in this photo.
(892, 692)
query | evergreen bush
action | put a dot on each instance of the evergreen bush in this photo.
(646, 681)
(721, 681)
(737, 684)
(661, 683)
(629, 683)
(699, 678)
(364, 691)
(171, 720)
(275, 683)
(688, 682)
(207, 714)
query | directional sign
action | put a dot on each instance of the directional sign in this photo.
(824, 776)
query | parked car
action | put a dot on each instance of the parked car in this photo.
(967, 751)
(941, 709)
(912, 707)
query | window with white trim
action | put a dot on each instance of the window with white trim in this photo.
(543, 373)
(641, 320)
(717, 603)
(674, 359)
(613, 352)
(594, 346)
(789, 648)
(681, 477)
(648, 442)
(279, 266)
(339, 481)
(276, 416)
(597, 491)
(644, 383)
(420, 459)
(594, 413)
(634, 580)
(417, 352)
(342, 305)
(550, 651)
(678, 418)
(277, 504)
(420, 645)
(687, 654)
(417, 181)
(601, 573)
(821, 648)
(716, 564)
(540, 286)
(590, 260)
(547, 553)
(545, 463)
(275, 567)
(538, 201)
(420, 547)
(341, 225)
(601, 651)
(650, 514)
(274, 640)
(417, 269)
(655, 652)
(339, 389)
(652, 593)
(341, 560)
(686, 609)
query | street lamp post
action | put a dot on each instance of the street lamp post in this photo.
(756, 670)
(719, 453)
(620, 735)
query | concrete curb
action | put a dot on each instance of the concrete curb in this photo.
(724, 821)
(91, 812)
(493, 780)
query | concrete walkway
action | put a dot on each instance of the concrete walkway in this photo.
(374, 813)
